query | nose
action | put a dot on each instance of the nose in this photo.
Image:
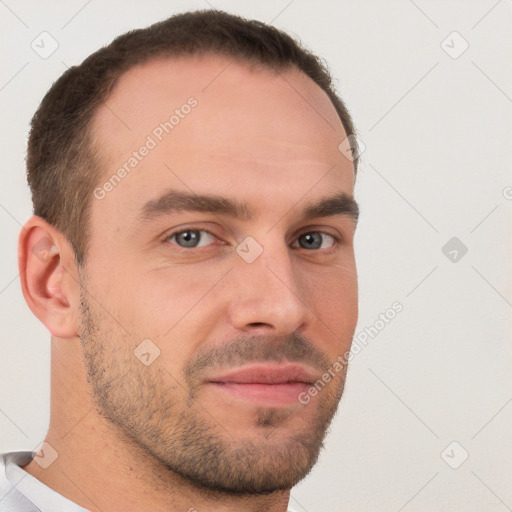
(269, 297)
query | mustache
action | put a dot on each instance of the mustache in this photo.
(255, 349)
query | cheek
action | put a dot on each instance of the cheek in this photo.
(175, 309)
(153, 301)
(336, 303)
(333, 296)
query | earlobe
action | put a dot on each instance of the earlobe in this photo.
(46, 266)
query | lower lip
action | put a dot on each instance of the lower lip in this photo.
(270, 395)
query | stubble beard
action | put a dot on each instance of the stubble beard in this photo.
(146, 409)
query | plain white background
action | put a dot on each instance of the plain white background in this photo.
(437, 128)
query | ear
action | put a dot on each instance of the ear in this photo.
(49, 276)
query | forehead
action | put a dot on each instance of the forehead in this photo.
(214, 123)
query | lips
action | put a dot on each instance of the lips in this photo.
(270, 385)
(267, 374)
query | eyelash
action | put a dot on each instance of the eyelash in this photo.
(335, 244)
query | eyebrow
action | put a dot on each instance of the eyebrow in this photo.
(175, 202)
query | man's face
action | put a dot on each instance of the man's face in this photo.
(243, 325)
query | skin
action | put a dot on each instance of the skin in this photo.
(120, 427)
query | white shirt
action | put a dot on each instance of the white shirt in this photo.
(21, 492)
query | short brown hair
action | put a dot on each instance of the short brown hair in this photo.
(62, 168)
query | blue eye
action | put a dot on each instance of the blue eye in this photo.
(314, 240)
(191, 238)
(195, 238)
